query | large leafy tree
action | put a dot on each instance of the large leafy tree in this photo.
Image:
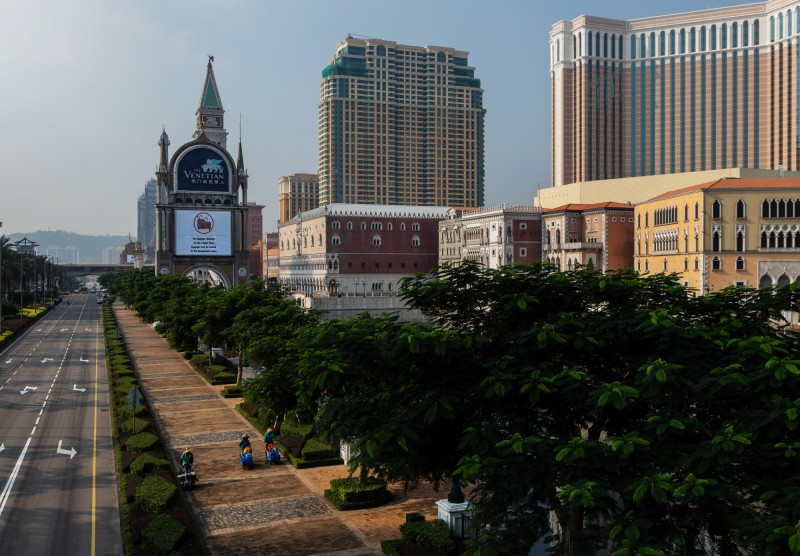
(589, 411)
(399, 391)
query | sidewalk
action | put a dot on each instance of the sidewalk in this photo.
(274, 510)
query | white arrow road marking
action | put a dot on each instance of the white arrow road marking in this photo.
(65, 330)
(75, 387)
(28, 388)
(46, 359)
(9, 361)
(7, 489)
(2, 447)
(71, 452)
(84, 360)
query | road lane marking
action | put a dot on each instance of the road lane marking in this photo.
(10, 483)
(33, 431)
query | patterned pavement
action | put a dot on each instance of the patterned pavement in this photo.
(274, 510)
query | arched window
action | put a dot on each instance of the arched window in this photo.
(765, 209)
(662, 43)
(692, 40)
(672, 42)
(713, 37)
(696, 211)
(763, 239)
(589, 43)
(740, 209)
(715, 241)
(363, 225)
(756, 38)
(376, 240)
(745, 33)
(349, 225)
(723, 36)
(734, 35)
(682, 42)
(716, 209)
(336, 240)
(716, 263)
(739, 263)
(702, 38)
(740, 241)
(642, 47)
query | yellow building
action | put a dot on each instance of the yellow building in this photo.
(730, 231)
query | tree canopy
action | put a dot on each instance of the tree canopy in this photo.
(585, 410)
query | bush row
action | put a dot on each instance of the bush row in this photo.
(351, 494)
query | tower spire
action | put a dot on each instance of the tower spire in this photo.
(210, 113)
(163, 144)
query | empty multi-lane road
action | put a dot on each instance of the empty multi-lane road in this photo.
(59, 493)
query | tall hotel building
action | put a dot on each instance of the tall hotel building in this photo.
(400, 125)
(696, 91)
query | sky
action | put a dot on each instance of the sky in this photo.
(87, 85)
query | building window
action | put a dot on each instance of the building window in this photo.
(696, 211)
(377, 226)
(739, 263)
(523, 252)
(336, 240)
(716, 263)
(415, 241)
(715, 241)
(389, 226)
(415, 227)
(363, 225)
(686, 212)
(376, 240)
(740, 241)
(335, 225)
(740, 209)
(349, 225)
(402, 226)
(523, 226)
(685, 263)
(696, 264)
(716, 209)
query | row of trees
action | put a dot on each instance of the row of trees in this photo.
(584, 410)
(22, 272)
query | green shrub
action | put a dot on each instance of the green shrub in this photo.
(232, 392)
(351, 494)
(189, 354)
(316, 450)
(428, 535)
(291, 426)
(162, 535)
(124, 372)
(141, 442)
(154, 494)
(124, 387)
(215, 369)
(389, 547)
(134, 425)
(224, 378)
(145, 463)
(125, 411)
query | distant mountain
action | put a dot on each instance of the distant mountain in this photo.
(66, 245)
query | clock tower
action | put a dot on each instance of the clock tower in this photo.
(210, 113)
(201, 203)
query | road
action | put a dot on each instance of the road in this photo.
(59, 489)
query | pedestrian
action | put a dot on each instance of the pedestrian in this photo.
(269, 436)
(244, 442)
(187, 460)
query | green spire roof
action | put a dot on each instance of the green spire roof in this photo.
(210, 95)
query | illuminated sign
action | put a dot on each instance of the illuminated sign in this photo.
(203, 232)
(203, 169)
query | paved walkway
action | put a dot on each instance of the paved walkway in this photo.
(275, 510)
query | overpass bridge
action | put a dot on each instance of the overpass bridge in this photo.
(75, 271)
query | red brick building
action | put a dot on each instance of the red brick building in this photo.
(357, 249)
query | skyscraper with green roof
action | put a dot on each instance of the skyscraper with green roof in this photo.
(400, 125)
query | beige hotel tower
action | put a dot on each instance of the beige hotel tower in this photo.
(400, 125)
(688, 92)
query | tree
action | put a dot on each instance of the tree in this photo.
(396, 390)
(636, 416)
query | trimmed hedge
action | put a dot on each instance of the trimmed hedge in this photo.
(316, 450)
(154, 494)
(433, 536)
(125, 411)
(351, 494)
(140, 424)
(141, 442)
(146, 463)
(292, 427)
(232, 392)
(223, 378)
(162, 535)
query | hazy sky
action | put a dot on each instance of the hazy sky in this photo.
(85, 87)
